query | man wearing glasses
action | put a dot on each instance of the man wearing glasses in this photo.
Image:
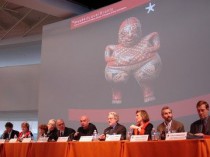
(63, 131)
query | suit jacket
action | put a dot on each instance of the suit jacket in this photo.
(175, 125)
(118, 129)
(14, 132)
(52, 135)
(67, 132)
(197, 126)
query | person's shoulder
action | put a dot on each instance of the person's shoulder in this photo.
(80, 128)
(160, 125)
(92, 125)
(150, 124)
(121, 126)
(15, 131)
(177, 122)
(106, 130)
(196, 122)
(69, 129)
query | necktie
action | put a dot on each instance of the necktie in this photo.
(61, 134)
(111, 131)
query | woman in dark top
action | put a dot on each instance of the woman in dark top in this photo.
(143, 126)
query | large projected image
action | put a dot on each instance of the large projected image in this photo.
(133, 56)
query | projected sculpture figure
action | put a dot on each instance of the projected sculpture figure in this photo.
(135, 56)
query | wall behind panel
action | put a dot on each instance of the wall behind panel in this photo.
(19, 88)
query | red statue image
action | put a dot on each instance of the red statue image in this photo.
(134, 56)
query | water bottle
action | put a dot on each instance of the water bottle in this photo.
(95, 135)
(153, 134)
(129, 134)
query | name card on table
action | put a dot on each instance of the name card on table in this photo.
(176, 136)
(43, 139)
(113, 137)
(13, 140)
(26, 140)
(62, 139)
(86, 138)
(138, 138)
(2, 140)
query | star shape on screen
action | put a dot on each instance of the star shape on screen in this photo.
(150, 8)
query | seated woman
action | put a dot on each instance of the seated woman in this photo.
(25, 133)
(143, 126)
(43, 130)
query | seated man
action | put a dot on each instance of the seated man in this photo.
(201, 127)
(9, 133)
(169, 125)
(86, 128)
(63, 131)
(114, 127)
(52, 130)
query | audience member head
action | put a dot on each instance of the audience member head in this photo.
(8, 127)
(43, 129)
(51, 124)
(113, 118)
(166, 113)
(60, 124)
(84, 121)
(25, 127)
(202, 109)
(142, 116)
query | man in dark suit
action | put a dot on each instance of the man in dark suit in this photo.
(169, 125)
(63, 131)
(86, 128)
(9, 133)
(52, 130)
(201, 127)
(114, 127)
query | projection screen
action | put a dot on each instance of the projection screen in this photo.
(131, 55)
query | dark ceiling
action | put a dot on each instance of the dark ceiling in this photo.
(94, 4)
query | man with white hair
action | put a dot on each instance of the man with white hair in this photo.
(52, 130)
(114, 126)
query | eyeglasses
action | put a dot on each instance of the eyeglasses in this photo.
(60, 124)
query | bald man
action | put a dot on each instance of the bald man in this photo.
(86, 128)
